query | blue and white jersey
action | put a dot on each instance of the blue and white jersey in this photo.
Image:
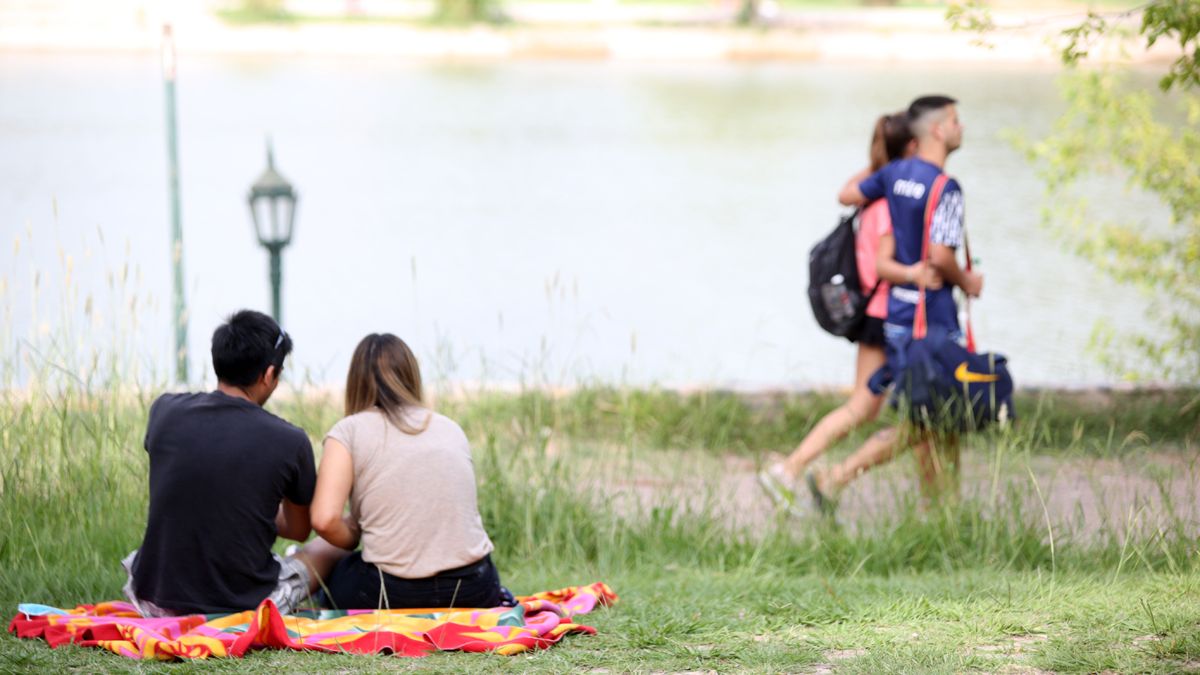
(906, 183)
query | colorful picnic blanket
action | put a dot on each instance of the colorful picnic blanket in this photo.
(537, 622)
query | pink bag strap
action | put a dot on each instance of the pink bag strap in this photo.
(935, 195)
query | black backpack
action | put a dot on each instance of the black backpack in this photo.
(837, 296)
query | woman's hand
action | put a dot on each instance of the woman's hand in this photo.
(923, 274)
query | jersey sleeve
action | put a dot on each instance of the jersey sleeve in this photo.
(304, 482)
(947, 226)
(872, 187)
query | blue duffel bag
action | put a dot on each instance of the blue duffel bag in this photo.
(948, 388)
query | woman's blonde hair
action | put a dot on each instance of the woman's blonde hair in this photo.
(384, 374)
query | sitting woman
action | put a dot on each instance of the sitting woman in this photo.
(408, 475)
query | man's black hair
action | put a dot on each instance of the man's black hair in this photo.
(245, 345)
(926, 103)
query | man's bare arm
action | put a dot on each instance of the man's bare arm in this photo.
(292, 521)
(898, 273)
(943, 260)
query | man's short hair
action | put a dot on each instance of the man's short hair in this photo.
(245, 345)
(920, 112)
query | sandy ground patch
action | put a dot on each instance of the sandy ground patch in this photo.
(1082, 497)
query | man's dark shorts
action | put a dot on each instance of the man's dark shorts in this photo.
(896, 339)
(289, 592)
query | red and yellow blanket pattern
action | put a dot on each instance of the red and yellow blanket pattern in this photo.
(537, 622)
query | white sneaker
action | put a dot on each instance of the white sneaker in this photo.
(778, 486)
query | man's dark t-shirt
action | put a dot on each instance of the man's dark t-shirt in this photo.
(219, 467)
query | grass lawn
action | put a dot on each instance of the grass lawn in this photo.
(987, 584)
(676, 618)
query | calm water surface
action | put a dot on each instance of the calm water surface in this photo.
(517, 221)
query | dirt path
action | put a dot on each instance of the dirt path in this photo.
(1081, 497)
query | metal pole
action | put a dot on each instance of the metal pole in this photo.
(181, 319)
(276, 280)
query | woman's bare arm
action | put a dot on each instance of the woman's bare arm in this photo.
(334, 479)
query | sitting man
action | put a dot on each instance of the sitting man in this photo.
(226, 478)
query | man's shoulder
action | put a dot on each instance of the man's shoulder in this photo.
(914, 177)
(912, 168)
(230, 411)
(928, 173)
(905, 177)
(285, 429)
(173, 403)
(175, 398)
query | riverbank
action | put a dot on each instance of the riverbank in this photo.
(554, 31)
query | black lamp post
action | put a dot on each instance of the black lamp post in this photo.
(273, 208)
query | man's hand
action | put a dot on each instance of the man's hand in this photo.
(923, 275)
(941, 259)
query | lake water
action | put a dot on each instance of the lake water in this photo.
(549, 222)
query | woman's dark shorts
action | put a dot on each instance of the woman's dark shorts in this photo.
(355, 584)
(871, 332)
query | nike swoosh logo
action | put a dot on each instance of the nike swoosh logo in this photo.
(963, 375)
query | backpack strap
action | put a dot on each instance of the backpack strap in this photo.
(935, 195)
(857, 215)
(858, 210)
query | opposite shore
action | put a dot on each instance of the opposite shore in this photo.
(601, 31)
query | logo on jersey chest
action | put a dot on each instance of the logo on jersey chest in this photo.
(908, 188)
